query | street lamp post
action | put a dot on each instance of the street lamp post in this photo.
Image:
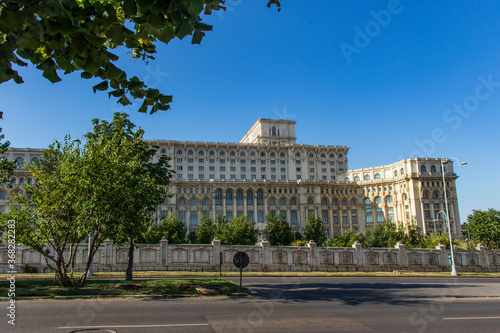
(443, 162)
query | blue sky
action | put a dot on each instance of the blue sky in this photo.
(396, 92)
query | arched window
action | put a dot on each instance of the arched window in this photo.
(405, 197)
(2, 196)
(260, 198)
(239, 197)
(204, 202)
(433, 169)
(323, 202)
(310, 201)
(347, 179)
(182, 202)
(435, 195)
(272, 202)
(378, 200)
(322, 155)
(340, 156)
(395, 173)
(332, 156)
(425, 195)
(344, 203)
(297, 154)
(282, 154)
(218, 198)
(367, 177)
(357, 179)
(222, 153)
(190, 152)
(334, 202)
(353, 202)
(402, 171)
(19, 162)
(274, 131)
(293, 202)
(423, 169)
(194, 202)
(201, 152)
(282, 202)
(378, 176)
(368, 201)
(249, 198)
(229, 197)
(35, 160)
(389, 199)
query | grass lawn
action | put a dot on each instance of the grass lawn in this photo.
(94, 287)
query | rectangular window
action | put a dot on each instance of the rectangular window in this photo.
(260, 216)
(344, 220)
(253, 161)
(211, 168)
(229, 215)
(201, 160)
(190, 160)
(427, 214)
(283, 214)
(254, 177)
(243, 176)
(354, 219)
(297, 162)
(190, 176)
(323, 170)
(263, 169)
(273, 161)
(391, 217)
(293, 216)
(193, 218)
(179, 167)
(222, 168)
(311, 170)
(380, 217)
(324, 216)
(182, 217)
(323, 162)
(179, 176)
(282, 162)
(179, 160)
(335, 219)
(243, 161)
(222, 160)
(283, 177)
(262, 161)
(201, 176)
(233, 177)
(273, 169)
(232, 161)
(212, 160)
(190, 168)
(253, 169)
(201, 168)
(239, 213)
(250, 215)
(311, 162)
(369, 218)
(243, 168)
(211, 176)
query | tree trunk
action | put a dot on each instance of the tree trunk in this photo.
(128, 274)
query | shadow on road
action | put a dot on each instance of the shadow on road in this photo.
(356, 293)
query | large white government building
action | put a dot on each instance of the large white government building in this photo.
(268, 172)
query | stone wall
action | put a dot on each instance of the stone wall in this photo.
(265, 258)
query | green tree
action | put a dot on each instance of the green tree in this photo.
(6, 167)
(484, 227)
(206, 230)
(238, 231)
(50, 219)
(77, 35)
(383, 235)
(278, 231)
(123, 185)
(170, 228)
(313, 230)
(346, 239)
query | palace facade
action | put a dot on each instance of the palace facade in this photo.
(268, 172)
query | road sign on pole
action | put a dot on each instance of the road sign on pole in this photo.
(241, 260)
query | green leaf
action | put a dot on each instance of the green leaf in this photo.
(129, 7)
(165, 99)
(86, 75)
(166, 34)
(124, 101)
(197, 36)
(101, 86)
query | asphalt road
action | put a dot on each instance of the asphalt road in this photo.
(284, 305)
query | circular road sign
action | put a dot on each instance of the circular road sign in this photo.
(241, 260)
